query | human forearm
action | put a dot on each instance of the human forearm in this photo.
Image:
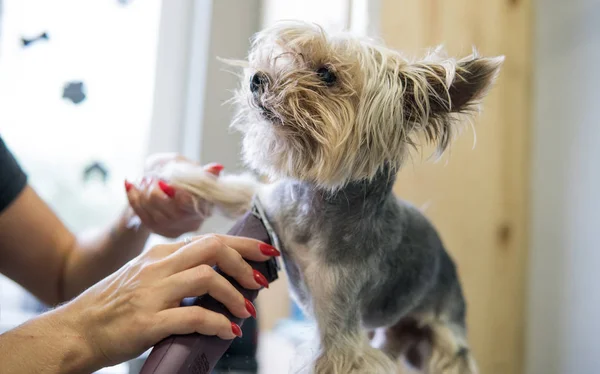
(94, 258)
(161, 208)
(50, 343)
(41, 254)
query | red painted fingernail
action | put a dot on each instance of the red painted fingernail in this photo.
(260, 279)
(268, 250)
(168, 190)
(215, 169)
(250, 308)
(128, 186)
(237, 331)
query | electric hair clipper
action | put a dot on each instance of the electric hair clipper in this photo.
(198, 354)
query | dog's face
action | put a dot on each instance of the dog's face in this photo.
(334, 109)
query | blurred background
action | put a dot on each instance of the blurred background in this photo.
(88, 89)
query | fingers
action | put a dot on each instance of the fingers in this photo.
(161, 197)
(214, 168)
(166, 189)
(248, 248)
(226, 252)
(151, 201)
(185, 202)
(202, 280)
(195, 319)
(156, 197)
(179, 201)
(168, 200)
(135, 201)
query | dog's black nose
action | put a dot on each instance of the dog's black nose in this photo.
(257, 82)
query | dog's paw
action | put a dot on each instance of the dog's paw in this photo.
(367, 360)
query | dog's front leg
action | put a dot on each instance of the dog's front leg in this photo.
(344, 345)
(231, 194)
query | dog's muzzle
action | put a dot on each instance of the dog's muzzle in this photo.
(258, 85)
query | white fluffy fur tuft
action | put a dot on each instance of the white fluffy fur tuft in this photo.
(230, 194)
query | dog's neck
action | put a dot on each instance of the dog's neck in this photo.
(377, 189)
(355, 193)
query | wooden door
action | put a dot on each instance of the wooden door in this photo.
(477, 197)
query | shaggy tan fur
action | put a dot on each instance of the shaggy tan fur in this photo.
(330, 135)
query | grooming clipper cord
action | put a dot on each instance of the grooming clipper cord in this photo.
(198, 354)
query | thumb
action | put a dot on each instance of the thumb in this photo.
(214, 168)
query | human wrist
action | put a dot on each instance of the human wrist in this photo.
(128, 235)
(77, 351)
(93, 258)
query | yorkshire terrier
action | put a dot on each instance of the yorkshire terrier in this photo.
(330, 119)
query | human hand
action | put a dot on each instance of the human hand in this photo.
(134, 308)
(162, 208)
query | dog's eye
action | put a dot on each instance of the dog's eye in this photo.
(326, 75)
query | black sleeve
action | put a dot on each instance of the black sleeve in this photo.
(12, 177)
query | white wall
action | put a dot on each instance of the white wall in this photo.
(192, 85)
(172, 70)
(564, 296)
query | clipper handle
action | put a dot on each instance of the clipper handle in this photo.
(198, 354)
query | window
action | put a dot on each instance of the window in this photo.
(76, 92)
(359, 16)
(150, 74)
(331, 14)
(92, 47)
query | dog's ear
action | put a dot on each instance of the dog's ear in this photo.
(435, 90)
